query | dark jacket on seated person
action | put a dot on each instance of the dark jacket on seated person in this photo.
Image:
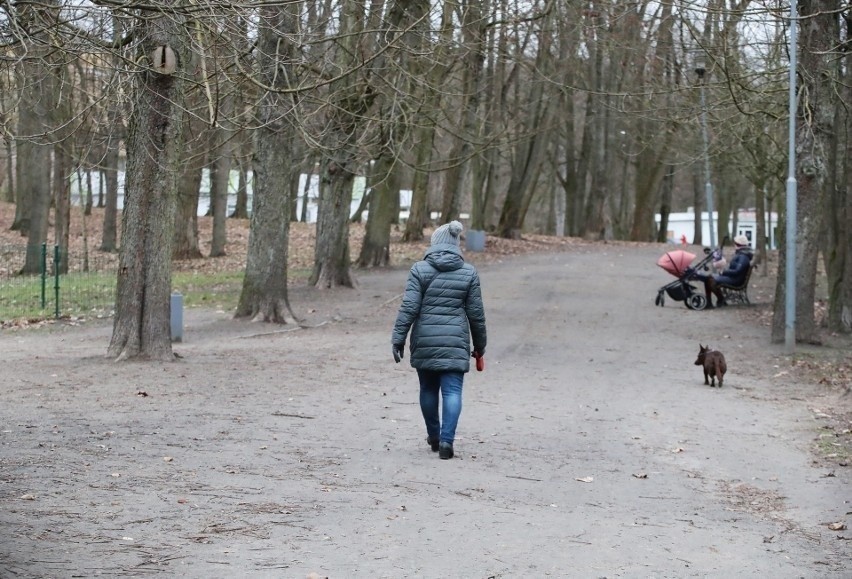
(736, 272)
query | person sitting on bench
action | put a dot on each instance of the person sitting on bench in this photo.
(734, 275)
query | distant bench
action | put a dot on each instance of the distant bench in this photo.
(737, 294)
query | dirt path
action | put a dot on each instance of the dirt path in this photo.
(588, 448)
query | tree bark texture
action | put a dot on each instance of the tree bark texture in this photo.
(141, 327)
(349, 99)
(473, 33)
(839, 213)
(375, 251)
(817, 71)
(264, 295)
(186, 243)
(35, 114)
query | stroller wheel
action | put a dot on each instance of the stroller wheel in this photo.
(659, 300)
(696, 302)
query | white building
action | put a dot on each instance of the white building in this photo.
(682, 226)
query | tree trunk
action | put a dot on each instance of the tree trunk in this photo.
(110, 176)
(141, 328)
(424, 136)
(760, 217)
(35, 113)
(220, 178)
(375, 251)
(34, 174)
(62, 204)
(349, 100)
(819, 32)
(839, 214)
(473, 32)
(332, 261)
(185, 244)
(666, 204)
(241, 206)
(264, 294)
(529, 150)
(418, 212)
(9, 190)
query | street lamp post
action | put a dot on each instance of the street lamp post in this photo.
(700, 70)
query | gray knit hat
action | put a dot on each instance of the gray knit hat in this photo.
(448, 233)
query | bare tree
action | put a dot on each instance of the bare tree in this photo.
(350, 97)
(839, 203)
(141, 328)
(264, 293)
(819, 34)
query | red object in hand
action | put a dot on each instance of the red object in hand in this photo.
(480, 361)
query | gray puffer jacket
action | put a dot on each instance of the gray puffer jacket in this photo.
(442, 306)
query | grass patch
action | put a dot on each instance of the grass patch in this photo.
(218, 289)
(93, 294)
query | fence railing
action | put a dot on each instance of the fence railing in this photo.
(74, 284)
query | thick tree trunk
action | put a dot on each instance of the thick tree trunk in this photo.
(424, 139)
(529, 150)
(349, 100)
(839, 214)
(241, 206)
(34, 174)
(141, 326)
(473, 32)
(375, 251)
(819, 32)
(418, 212)
(35, 115)
(332, 260)
(650, 170)
(264, 294)
(185, 245)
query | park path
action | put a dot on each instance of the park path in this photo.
(589, 447)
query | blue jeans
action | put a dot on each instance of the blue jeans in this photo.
(449, 386)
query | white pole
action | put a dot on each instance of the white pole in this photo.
(790, 278)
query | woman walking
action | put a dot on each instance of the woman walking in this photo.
(442, 307)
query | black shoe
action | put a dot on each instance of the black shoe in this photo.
(721, 303)
(433, 442)
(445, 450)
(709, 306)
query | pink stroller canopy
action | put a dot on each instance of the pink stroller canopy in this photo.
(676, 262)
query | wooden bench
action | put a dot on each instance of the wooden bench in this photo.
(737, 294)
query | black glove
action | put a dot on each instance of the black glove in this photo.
(397, 349)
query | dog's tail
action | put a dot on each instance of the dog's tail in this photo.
(720, 367)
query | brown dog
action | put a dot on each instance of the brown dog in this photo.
(714, 365)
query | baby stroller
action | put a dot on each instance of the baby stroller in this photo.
(678, 263)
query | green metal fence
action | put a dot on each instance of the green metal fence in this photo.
(74, 284)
